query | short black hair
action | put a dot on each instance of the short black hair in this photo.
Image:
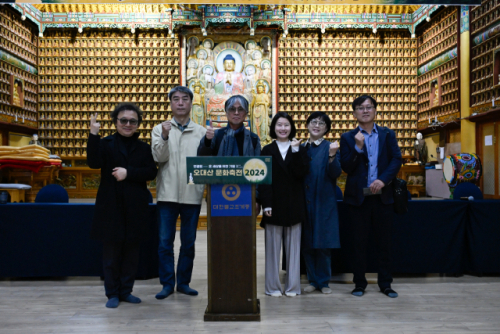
(361, 99)
(182, 89)
(324, 118)
(126, 106)
(281, 114)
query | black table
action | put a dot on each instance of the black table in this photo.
(47, 240)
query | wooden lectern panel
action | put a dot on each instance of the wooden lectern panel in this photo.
(232, 286)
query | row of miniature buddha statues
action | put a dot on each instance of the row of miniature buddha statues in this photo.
(149, 70)
(18, 51)
(29, 103)
(438, 110)
(347, 80)
(110, 87)
(110, 52)
(110, 79)
(349, 87)
(6, 109)
(362, 53)
(16, 27)
(19, 73)
(425, 78)
(444, 87)
(352, 61)
(5, 87)
(98, 106)
(5, 84)
(71, 116)
(18, 40)
(445, 102)
(118, 97)
(134, 88)
(382, 108)
(365, 70)
(394, 98)
(98, 61)
(28, 96)
(108, 43)
(329, 42)
(117, 61)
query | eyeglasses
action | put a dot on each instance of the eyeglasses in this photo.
(320, 124)
(367, 109)
(132, 121)
(234, 110)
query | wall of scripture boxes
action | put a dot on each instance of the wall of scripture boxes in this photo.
(485, 56)
(438, 88)
(89, 73)
(18, 87)
(326, 72)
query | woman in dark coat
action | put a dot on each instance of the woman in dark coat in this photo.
(321, 232)
(284, 205)
(126, 165)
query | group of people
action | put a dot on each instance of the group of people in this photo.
(299, 207)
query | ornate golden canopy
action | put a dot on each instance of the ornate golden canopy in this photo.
(160, 7)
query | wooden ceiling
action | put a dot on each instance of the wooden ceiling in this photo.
(160, 7)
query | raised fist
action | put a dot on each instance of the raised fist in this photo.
(165, 128)
(94, 126)
(334, 147)
(360, 140)
(210, 133)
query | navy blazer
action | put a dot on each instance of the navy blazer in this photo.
(356, 165)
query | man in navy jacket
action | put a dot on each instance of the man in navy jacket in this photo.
(371, 158)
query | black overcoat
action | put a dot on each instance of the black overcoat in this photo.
(121, 207)
(286, 194)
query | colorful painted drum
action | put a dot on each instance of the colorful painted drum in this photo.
(462, 167)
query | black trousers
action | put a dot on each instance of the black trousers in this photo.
(120, 262)
(371, 220)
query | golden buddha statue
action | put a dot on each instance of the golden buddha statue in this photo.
(435, 102)
(198, 108)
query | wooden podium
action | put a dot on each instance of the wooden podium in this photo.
(231, 217)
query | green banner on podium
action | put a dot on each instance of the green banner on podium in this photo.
(229, 170)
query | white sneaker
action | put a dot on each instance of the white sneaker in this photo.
(326, 290)
(309, 288)
(290, 294)
(275, 294)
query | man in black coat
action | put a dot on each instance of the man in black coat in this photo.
(126, 165)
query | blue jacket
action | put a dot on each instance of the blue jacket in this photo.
(322, 227)
(356, 165)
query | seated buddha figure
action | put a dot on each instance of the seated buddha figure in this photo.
(227, 83)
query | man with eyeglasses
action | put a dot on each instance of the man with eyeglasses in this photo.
(172, 142)
(371, 158)
(235, 139)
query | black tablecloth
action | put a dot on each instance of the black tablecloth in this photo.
(38, 240)
(430, 238)
(483, 236)
(43, 240)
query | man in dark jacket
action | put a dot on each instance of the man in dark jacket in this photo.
(126, 165)
(371, 158)
(235, 139)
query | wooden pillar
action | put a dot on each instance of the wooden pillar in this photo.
(468, 129)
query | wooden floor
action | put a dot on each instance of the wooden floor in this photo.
(430, 304)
